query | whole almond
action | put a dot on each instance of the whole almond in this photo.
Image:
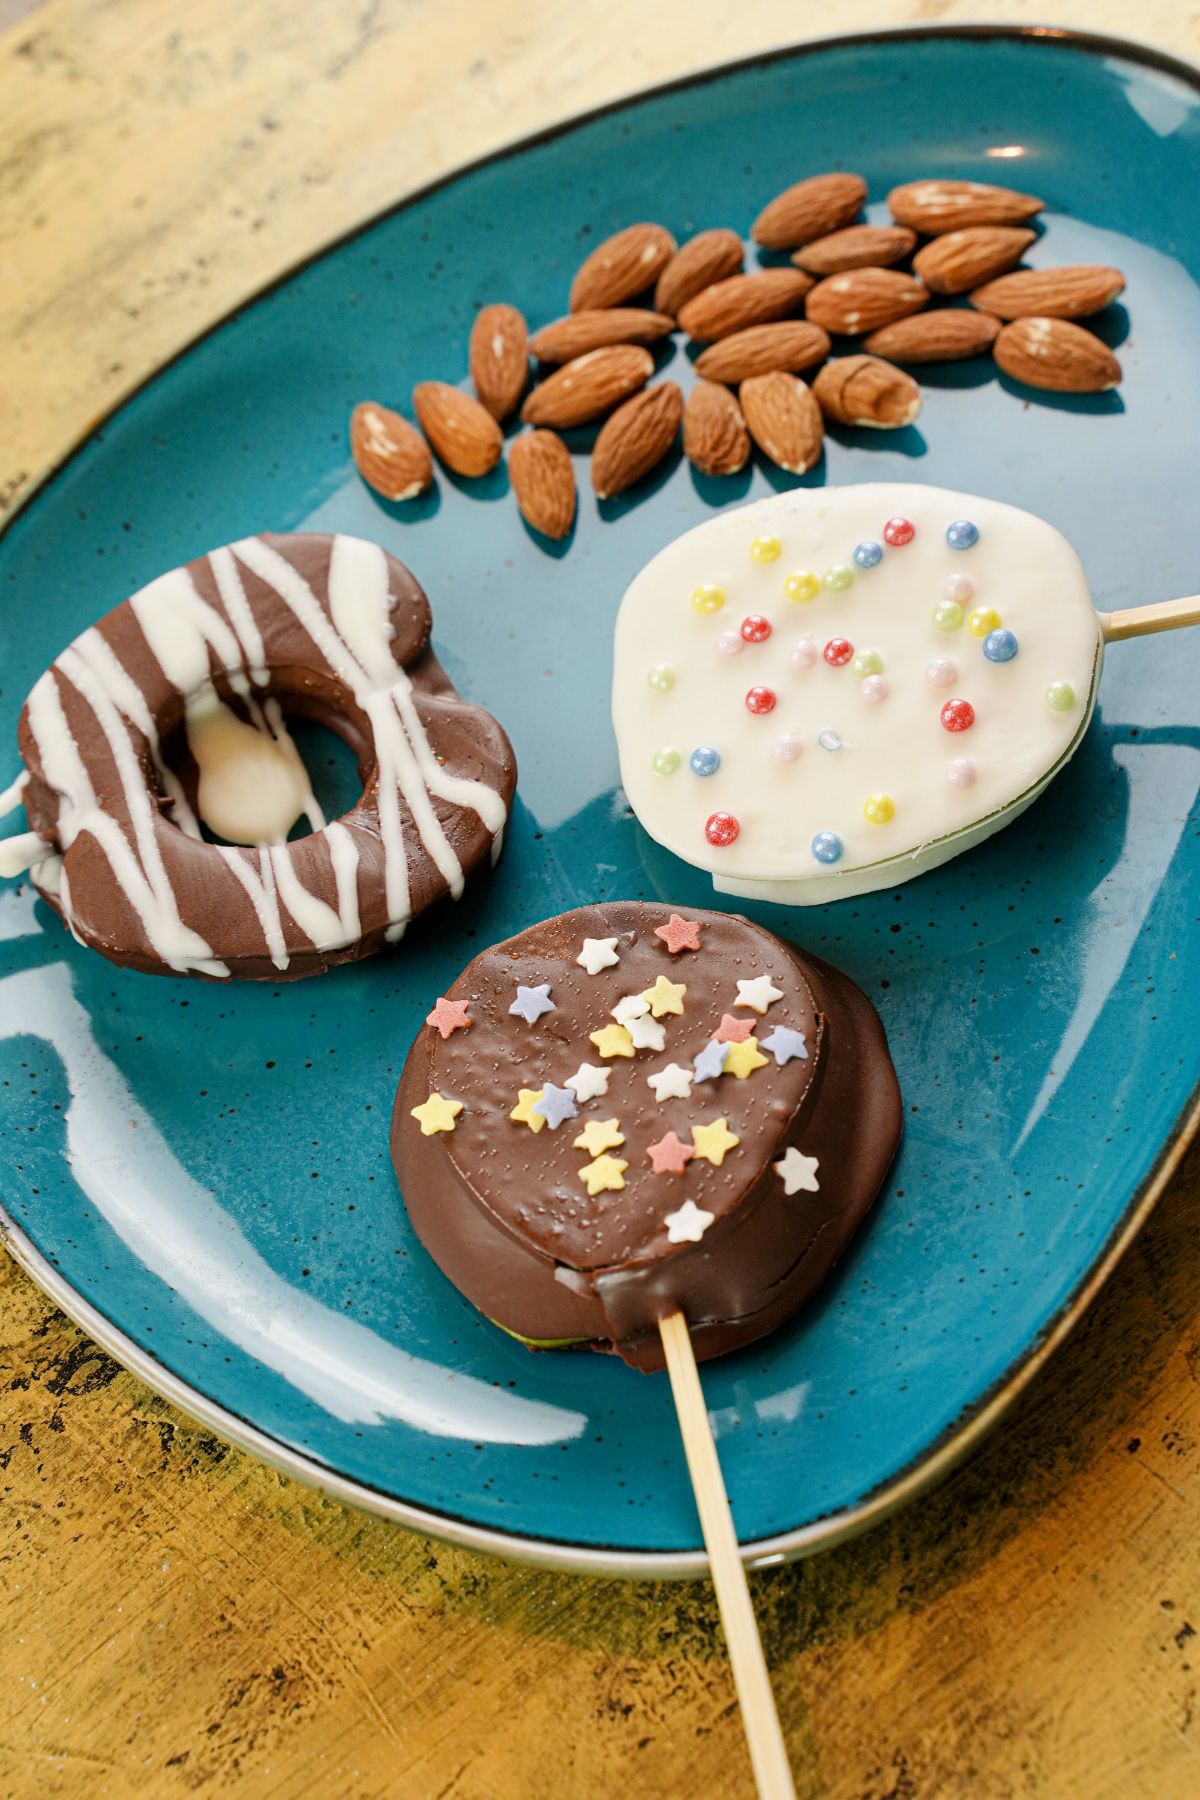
(862, 390)
(1067, 293)
(1054, 354)
(588, 386)
(790, 344)
(390, 454)
(498, 358)
(857, 247)
(463, 434)
(959, 260)
(592, 330)
(539, 467)
(932, 207)
(946, 335)
(709, 256)
(809, 209)
(864, 299)
(715, 437)
(635, 438)
(784, 420)
(742, 300)
(622, 266)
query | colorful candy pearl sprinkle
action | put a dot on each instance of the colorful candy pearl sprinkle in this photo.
(721, 828)
(708, 598)
(960, 773)
(787, 748)
(802, 584)
(1000, 646)
(941, 672)
(827, 847)
(868, 554)
(879, 808)
(666, 761)
(760, 700)
(1060, 696)
(765, 549)
(661, 678)
(756, 629)
(958, 715)
(962, 534)
(829, 740)
(873, 689)
(983, 620)
(899, 531)
(947, 615)
(838, 652)
(838, 578)
(958, 587)
(704, 760)
(805, 653)
(729, 643)
(867, 662)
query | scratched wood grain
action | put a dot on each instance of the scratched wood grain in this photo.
(175, 1618)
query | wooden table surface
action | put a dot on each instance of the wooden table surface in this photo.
(173, 1616)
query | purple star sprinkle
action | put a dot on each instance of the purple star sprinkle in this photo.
(532, 1002)
(711, 1061)
(784, 1044)
(555, 1105)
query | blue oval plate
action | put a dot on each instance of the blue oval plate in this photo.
(199, 1173)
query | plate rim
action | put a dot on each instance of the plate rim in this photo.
(956, 1440)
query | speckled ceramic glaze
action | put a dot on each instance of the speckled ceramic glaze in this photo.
(200, 1173)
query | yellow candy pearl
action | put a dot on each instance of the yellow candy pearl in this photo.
(709, 598)
(802, 584)
(879, 808)
(983, 620)
(765, 549)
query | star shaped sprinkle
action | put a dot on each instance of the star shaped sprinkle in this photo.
(742, 1059)
(599, 1135)
(758, 993)
(555, 1105)
(606, 1174)
(532, 1002)
(597, 954)
(670, 1156)
(436, 1114)
(448, 1016)
(784, 1044)
(588, 1082)
(523, 1111)
(714, 1141)
(612, 1040)
(646, 1034)
(665, 996)
(672, 1083)
(688, 1225)
(798, 1171)
(631, 1006)
(711, 1061)
(733, 1031)
(679, 934)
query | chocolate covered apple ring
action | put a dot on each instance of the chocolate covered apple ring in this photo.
(327, 628)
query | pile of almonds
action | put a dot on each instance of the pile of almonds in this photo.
(761, 331)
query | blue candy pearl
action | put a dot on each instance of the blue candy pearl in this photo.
(962, 534)
(704, 761)
(868, 553)
(1000, 646)
(827, 847)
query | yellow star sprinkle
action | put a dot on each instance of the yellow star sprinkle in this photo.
(598, 1135)
(665, 996)
(607, 1172)
(612, 1040)
(437, 1114)
(523, 1111)
(741, 1059)
(713, 1141)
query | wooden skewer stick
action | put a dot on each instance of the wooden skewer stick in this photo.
(1137, 621)
(768, 1754)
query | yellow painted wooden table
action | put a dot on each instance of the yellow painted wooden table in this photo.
(174, 1616)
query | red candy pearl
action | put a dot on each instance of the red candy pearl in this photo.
(721, 828)
(838, 651)
(899, 531)
(756, 629)
(760, 700)
(958, 715)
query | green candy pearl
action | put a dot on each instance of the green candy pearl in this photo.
(1060, 696)
(867, 662)
(839, 578)
(947, 615)
(667, 761)
(661, 678)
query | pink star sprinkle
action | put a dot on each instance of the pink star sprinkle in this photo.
(679, 934)
(733, 1031)
(670, 1156)
(448, 1016)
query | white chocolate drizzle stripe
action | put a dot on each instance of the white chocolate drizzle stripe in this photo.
(11, 797)
(261, 889)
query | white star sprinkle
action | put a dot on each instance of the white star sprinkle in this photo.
(632, 1006)
(672, 1083)
(758, 993)
(588, 1082)
(798, 1171)
(597, 954)
(647, 1034)
(689, 1224)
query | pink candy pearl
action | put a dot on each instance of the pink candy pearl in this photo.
(960, 773)
(805, 653)
(874, 689)
(958, 587)
(940, 672)
(787, 748)
(730, 643)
